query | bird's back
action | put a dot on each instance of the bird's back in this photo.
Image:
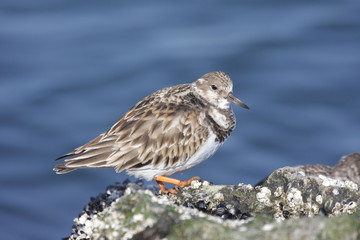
(161, 131)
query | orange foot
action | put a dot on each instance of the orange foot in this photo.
(178, 183)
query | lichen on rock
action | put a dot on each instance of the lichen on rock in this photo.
(302, 202)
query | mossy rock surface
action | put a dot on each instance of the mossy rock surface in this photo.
(292, 203)
(142, 215)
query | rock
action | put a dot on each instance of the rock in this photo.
(292, 203)
(285, 194)
(347, 169)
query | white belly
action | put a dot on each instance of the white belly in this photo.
(203, 153)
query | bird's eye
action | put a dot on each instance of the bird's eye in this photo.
(213, 87)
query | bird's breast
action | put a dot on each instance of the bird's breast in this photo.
(221, 122)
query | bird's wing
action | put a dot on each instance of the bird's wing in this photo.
(151, 134)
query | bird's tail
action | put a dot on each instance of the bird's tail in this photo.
(61, 168)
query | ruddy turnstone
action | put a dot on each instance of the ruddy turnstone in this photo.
(167, 132)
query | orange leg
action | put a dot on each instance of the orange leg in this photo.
(178, 183)
(164, 190)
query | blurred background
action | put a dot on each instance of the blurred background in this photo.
(69, 69)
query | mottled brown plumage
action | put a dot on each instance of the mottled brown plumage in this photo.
(168, 131)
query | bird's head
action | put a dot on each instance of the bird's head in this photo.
(216, 88)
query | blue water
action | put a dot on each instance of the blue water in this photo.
(70, 69)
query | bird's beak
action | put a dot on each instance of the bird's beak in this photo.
(231, 97)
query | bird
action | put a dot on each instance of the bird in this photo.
(167, 132)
